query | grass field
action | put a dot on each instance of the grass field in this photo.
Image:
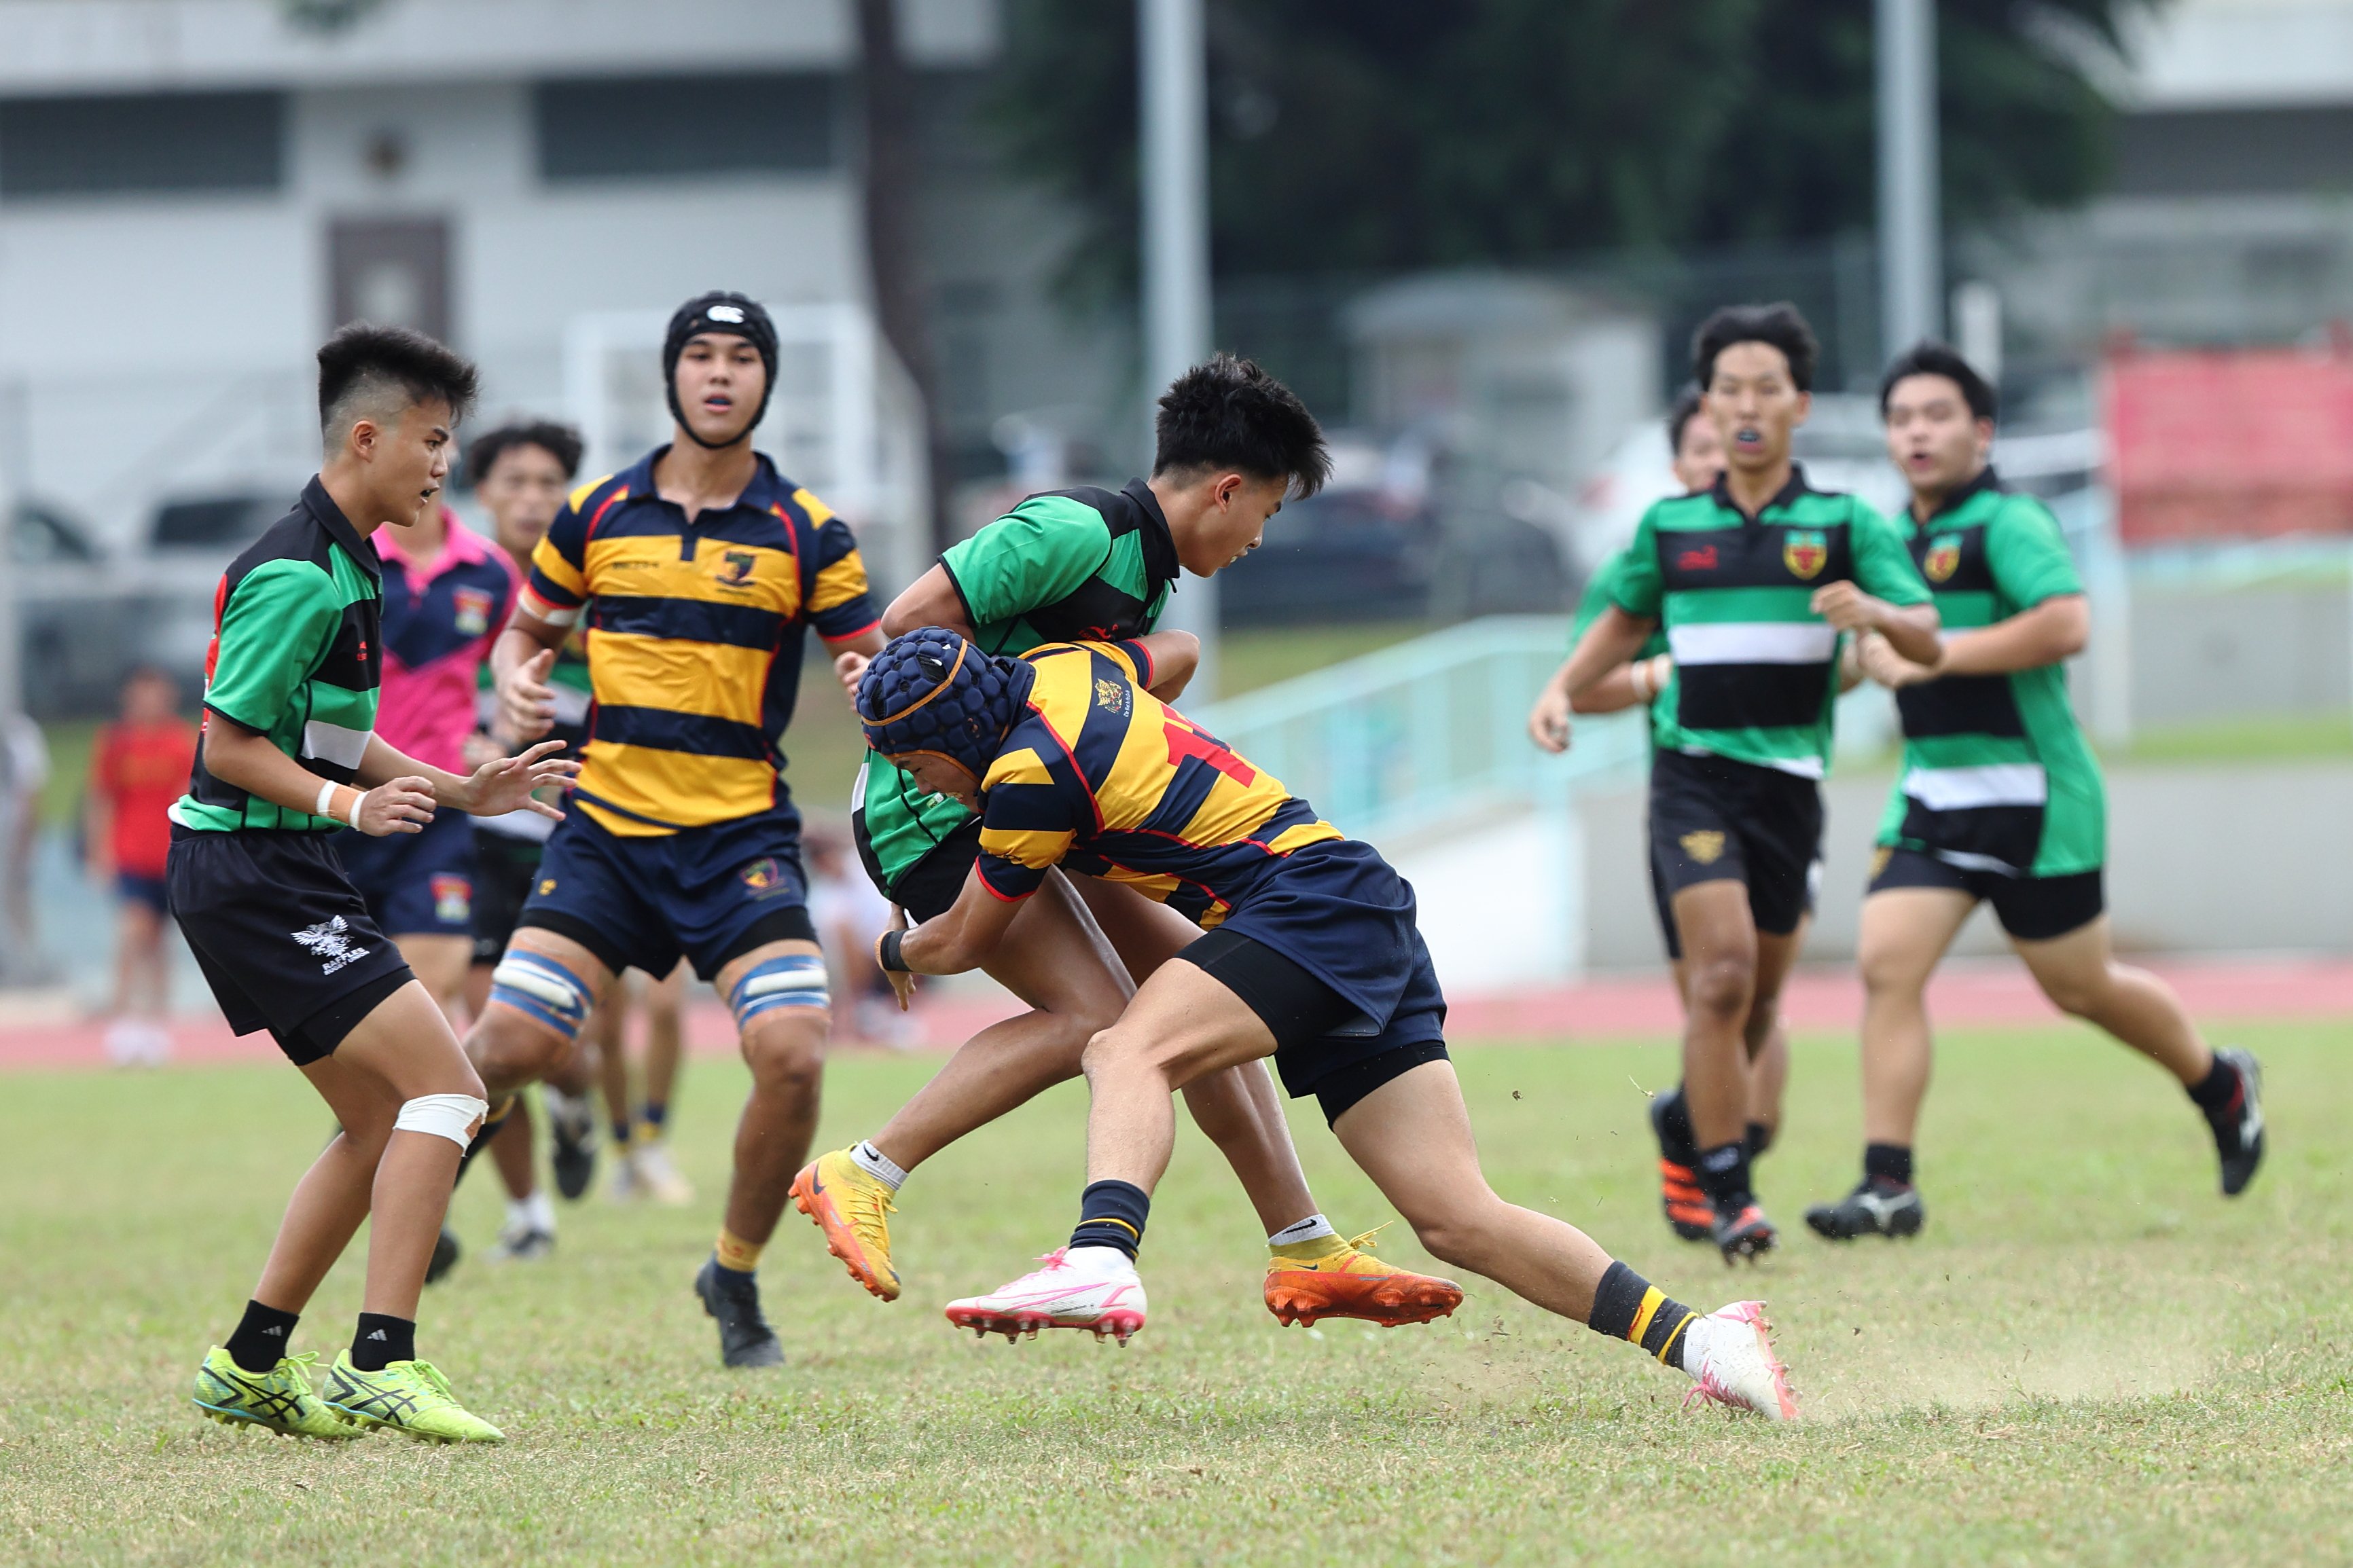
(2089, 1357)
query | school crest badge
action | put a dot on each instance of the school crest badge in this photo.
(1943, 559)
(1804, 552)
(1112, 697)
(764, 877)
(473, 607)
(1707, 848)
(453, 899)
(735, 568)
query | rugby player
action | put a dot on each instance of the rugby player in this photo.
(697, 573)
(1312, 957)
(288, 755)
(2000, 800)
(1698, 459)
(1756, 582)
(1232, 443)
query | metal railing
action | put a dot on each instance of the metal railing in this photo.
(1429, 730)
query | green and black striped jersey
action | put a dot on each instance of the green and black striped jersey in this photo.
(1755, 670)
(1996, 774)
(297, 655)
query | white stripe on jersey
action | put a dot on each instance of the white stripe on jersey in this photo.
(1961, 789)
(1753, 642)
(333, 744)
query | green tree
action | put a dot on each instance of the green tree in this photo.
(1367, 134)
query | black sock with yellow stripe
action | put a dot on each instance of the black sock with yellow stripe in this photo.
(1111, 1214)
(1628, 1307)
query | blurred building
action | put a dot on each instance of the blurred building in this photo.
(193, 192)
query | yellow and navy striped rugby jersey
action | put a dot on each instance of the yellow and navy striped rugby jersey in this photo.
(1100, 776)
(694, 633)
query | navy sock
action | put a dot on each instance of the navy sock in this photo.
(1723, 1171)
(262, 1335)
(2215, 1091)
(1674, 1120)
(1111, 1214)
(1628, 1306)
(379, 1340)
(1760, 1138)
(1887, 1162)
(654, 1115)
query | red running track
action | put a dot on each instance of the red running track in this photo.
(1820, 1000)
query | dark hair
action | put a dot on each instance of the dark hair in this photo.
(362, 360)
(1231, 414)
(561, 442)
(1685, 410)
(1779, 325)
(1928, 357)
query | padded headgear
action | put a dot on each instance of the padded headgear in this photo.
(736, 315)
(931, 690)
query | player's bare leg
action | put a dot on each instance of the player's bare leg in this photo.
(1906, 932)
(1722, 963)
(401, 1051)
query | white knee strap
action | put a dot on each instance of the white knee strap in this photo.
(451, 1116)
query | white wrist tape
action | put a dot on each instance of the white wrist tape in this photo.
(359, 797)
(451, 1116)
(1639, 674)
(326, 799)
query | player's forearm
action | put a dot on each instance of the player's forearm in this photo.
(868, 643)
(962, 938)
(525, 638)
(1613, 639)
(1634, 685)
(383, 763)
(2053, 630)
(1910, 630)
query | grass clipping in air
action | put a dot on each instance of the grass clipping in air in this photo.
(2089, 1355)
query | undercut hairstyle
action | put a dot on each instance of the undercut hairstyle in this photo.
(1685, 410)
(1779, 325)
(1928, 357)
(561, 442)
(381, 373)
(1230, 414)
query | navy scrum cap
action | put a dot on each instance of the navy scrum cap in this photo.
(735, 315)
(933, 691)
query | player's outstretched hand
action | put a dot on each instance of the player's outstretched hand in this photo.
(526, 702)
(850, 669)
(403, 805)
(1548, 721)
(902, 984)
(506, 784)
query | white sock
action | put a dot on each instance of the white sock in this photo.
(1307, 1229)
(1099, 1260)
(519, 1214)
(541, 1209)
(877, 1164)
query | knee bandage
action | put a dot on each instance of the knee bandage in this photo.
(536, 984)
(451, 1116)
(796, 980)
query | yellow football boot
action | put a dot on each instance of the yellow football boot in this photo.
(853, 1209)
(1337, 1278)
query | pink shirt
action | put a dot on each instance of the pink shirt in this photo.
(440, 617)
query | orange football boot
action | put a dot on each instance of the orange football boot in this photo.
(1350, 1282)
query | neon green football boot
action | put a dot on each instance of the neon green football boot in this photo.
(280, 1399)
(410, 1396)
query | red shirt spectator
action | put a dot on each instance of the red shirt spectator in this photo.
(139, 768)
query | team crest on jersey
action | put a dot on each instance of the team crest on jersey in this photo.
(474, 611)
(1707, 848)
(1112, 696)
(1943, 559)
(453, 899)
(1804, 552)
(735, 568)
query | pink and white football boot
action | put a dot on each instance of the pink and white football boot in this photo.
(1091, 1287)
(1729, 1354)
